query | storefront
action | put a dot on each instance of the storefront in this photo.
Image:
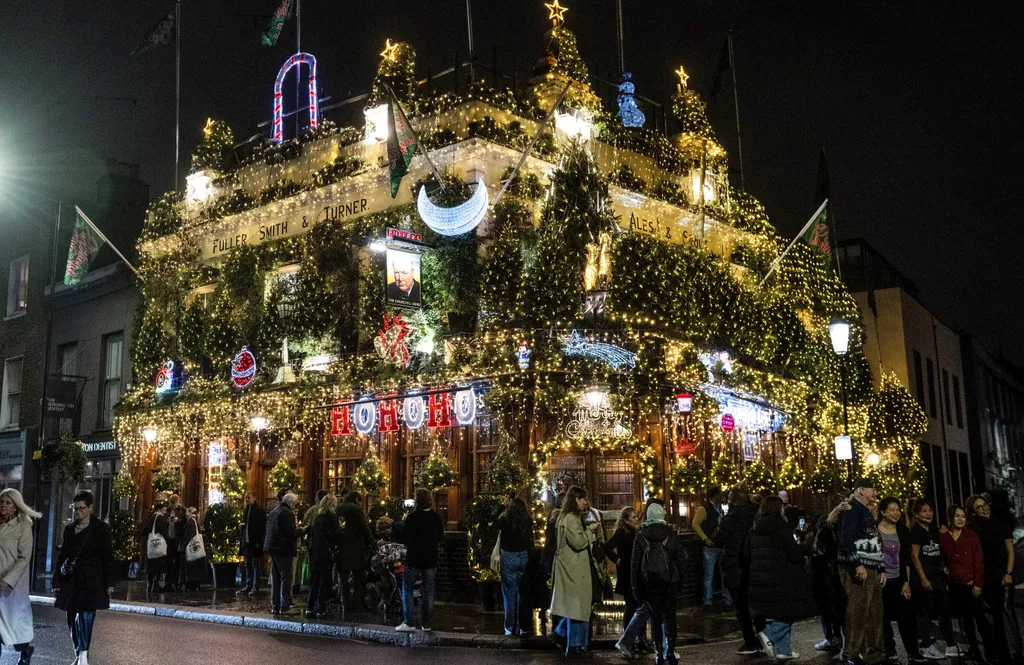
(12, 460)
(103, 461)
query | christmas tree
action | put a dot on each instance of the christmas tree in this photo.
(895, 424)
(397, 69)
(214, 151)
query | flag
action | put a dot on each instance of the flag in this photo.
(402, 144)
(277, 21)
(724, 65)
(158, 35)
(85, 243)
(816, 232)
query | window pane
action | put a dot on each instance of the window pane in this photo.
(68, 360)
(111, 395)
(14, 376)
(114, 343)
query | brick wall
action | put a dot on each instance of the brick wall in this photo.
(454, 580)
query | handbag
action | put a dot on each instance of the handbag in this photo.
(195, 549)
(156, 547)
(67, 568)
(496, 555)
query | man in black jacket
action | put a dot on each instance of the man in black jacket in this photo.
(356, 546)
(282, 533)
(422, 533)
(658, 566)
(731, 537)
(254, 530)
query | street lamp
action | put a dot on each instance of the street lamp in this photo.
(839, 333)
(259, 423)
(596, 395)
(149, 434)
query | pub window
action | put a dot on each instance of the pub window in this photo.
(615, 482)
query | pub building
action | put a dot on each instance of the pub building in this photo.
(401, 377)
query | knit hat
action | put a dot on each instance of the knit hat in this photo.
(655, 513)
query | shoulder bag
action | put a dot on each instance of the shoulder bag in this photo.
(67, 569)
(496, 555)
(156, 546)
(195, 549)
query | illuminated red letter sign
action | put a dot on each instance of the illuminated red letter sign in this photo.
(387, 416)
(341, 421)
(439, 407)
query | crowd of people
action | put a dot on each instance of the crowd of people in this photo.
(862, 568)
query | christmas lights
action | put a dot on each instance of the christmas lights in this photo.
(297, 60)
(456, 220)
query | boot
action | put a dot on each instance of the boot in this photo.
(26, 655)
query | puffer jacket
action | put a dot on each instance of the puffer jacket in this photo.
(659, 532)
(780, 587)
(281, 532)
(731, 535)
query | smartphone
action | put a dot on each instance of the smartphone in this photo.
(803, 524)
(409, 503)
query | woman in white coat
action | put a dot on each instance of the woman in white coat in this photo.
(15, 552)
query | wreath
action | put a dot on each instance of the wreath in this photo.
(370, 478)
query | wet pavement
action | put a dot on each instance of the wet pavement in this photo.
(696, 625)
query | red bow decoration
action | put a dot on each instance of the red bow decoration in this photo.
(390, 342)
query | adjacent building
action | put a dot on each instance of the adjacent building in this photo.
(903, 337)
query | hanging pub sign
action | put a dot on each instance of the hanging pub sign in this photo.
(243, 368)
(61, 396)
(404, 287)
(684, 402)
(728, 422)
(437, 409)
(685, 447)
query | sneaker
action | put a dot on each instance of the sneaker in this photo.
(824, 645)
(766, 644)
(426, 629)
(405, 628)
(953, 651)
(787, 656)
(749, 650)
(243, 592)
(253, 592)
(933, 653)
(624, 650)
(308, 614)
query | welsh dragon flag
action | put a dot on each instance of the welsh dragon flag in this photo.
(85, 243)
(402, 144)
(277, 21)
(816, 233)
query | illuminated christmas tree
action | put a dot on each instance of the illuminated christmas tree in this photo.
(895, 425)
(214, 151)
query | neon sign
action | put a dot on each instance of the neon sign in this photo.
(167, 379)
(297, 60)
(437, 410)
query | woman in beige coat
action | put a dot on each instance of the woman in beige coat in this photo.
(15, 551)
(571, 590)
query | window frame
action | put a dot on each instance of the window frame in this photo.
(15, 285)
(105, 381)
(8, 419)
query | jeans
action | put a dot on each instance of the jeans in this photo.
(778, 633)
(320, 584)
(636, 629)
(80, 624)
(994, 595)
(251, 570)
(662, 603)
(864, 614)
(281, 581)
(513, 565)
(740, 596)
(576, 633)
(930, 605)
(426, 595)
(711, 555)
(895, 608)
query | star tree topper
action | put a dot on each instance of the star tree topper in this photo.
(683, 76)
(556, 12)
(389, 50)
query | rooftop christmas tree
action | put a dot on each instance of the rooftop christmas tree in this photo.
(397, 69)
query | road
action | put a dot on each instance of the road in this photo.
(131, 639)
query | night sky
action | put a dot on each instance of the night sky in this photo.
(917, 104)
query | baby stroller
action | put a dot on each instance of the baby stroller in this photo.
(386, 568)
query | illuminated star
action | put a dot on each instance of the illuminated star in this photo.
(683, 76)
(556, 12)
(209, 128)
(389, 50)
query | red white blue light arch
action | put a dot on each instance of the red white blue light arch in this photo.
(297, 60)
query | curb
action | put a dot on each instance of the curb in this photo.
(380, 635)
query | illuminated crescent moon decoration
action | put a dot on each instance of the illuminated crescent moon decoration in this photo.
(458, 220)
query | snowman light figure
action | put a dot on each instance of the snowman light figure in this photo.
(630, 113)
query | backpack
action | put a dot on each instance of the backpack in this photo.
(655, 566)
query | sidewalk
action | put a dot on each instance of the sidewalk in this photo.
(456, 624)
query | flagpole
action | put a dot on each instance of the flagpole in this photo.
(736, 101)
(618, 20)
(469, 28)
(777, 261)
(426, 153)
(298, 72)
(177, 90)
(106, 240)
(526, 151)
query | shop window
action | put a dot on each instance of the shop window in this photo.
(10, 407)
(616, 478)
(216, 460)
(565, 471)
(17, 287)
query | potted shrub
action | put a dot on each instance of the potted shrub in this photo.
(125, 541)
(222, 530)
(482, 527)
